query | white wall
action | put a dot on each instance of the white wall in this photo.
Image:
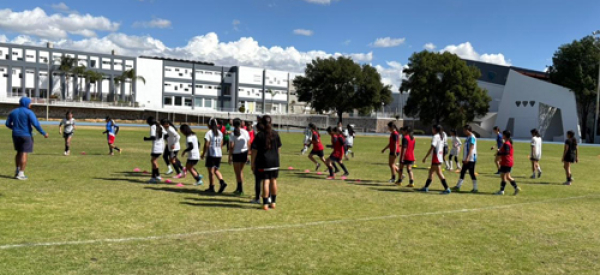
(210, 76)
(249, 75)
(3, 53)
(277, 79)
(3, 80)
(495, 91)
(178, 72)
(149, 95)
(30, 55)
(522, 88)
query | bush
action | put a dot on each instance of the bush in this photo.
(397, 116)
(242, 109)
(419, 132)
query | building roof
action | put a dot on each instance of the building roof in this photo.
(498, 74)
(178, 60)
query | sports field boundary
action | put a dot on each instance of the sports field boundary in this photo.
(287, 226)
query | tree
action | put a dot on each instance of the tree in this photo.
(92, 77)
(443, 89)
(132, 76)
(78, 71)
(117, 80)
(341, 85)
(67, 63)
(575, 66)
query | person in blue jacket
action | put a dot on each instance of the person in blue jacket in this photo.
(20, 121)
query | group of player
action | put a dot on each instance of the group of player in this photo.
(342, 142)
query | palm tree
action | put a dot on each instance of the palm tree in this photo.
(117, 86)
(132, 76)
(67, 63)
(92, 77)
(79, 71)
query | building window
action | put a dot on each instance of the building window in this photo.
(209, 73)
(199, 86)
(167, 70)
(168, 101)
(167, 84)
(177, 70)
(491, 75)
(92, 63)
(198, 102)
(208, 103)
(199, 72)
(176, 88)
(177, 101)
(228, 75)
(188, 102)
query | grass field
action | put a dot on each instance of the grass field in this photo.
(90, 214)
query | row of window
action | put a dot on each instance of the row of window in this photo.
(44, 60)
(179, 101)
(183, 72)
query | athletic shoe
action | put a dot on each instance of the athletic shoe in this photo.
(459, 168)
(474, 191)
(255, 201)
(317, 168)
(455, 189)
(170, 171)
(532, 176)
(179, 176)
(392, 180)
(346, 174)
(399, 183)
(446, 192)
(111, 154)
(265, 207)
(199, 182)
(21, 177)
(499, 193)
(517, 190)
(16, 172)
(424, 189)
(121, 151)
(352, 154)
(238, 193)
(210, 189)
(272, 206)
(65, 153)
(410, 185)
(346, 157)
(222, 188)
(159, 179)
(497, 173)
(68, 152)
(568, 183)
(330, 178)
(539, 175)
(336, 171)
(153, 181)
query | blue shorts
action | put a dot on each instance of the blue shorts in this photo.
(23, 144)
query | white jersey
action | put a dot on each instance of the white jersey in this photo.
(456, 144)
(214, 143)
(158, 144)
(445, 139)
(349, 138)
(173, 139)
(68, 125)
(438, 149)
(240, 144)
(307, 136)
(536, 144)
(193, 154)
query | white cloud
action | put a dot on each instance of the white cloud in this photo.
(236, 23)
(321, 2)
(429, 46)
(62, 7)
(157, 23)
(3, 38)
(466, 51)
(303, 32)
(391, 74)
(37, 23)
(387, 42)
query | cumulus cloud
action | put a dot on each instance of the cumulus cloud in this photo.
(320, 2)
(3, 38)
(62, 7)
(156, 23)
(37, 23)
(429, 46)
(392, 74)
(466, 51)
(387, 42)
(303, 32)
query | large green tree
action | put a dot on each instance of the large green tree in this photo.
(575, 66)
(341, 85)
(443, 89)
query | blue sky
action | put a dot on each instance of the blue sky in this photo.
(285, 34)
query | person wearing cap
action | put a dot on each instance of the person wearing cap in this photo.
(20, 121)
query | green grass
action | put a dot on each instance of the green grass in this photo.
(320, 227)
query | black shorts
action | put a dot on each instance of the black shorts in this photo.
(213, 162)
(267, 175)
(240, 158)
(173, 154)
(336, 159)
(317, 153)
(67, 135)
(191, 162)
(505, 169)
(445, 150)
(569, 159)
(534, 159)
(392, 154)
(23, 144)
(408, 162)
(155, 155)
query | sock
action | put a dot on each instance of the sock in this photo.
(273, 198)
(177, 169)
(502, 186)
(266, 201)
(445, 184)
(111, 150)
(331, 172)
(256, 187)
(239, 187)
(460, 183)
(197, 177)
(427, 183)
(412, 181)
(475, 185)
(118, 149)
(514, 184)
(539, 169)
(157, 173)
(335, 167)
(221, 182)
(66, 148)
(344, 168)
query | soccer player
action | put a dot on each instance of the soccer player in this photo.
(307, 139)
(445, 143)
(239, 143)
(193, 151)
(394, 146)
(499, 142)
(437, 152)
(156, 136)
(69, 128)
(213, 142)
(317, 147)
(469, 160)
(455, 151)
(407, 157)
(265, 161)
(112, 129)
(173, 147)
(536, 153)
(349, 132)
(506, 160)
(167, 152)
(20, 121)
(337, 141)
(570, 155)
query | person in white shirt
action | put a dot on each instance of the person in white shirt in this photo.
(455, 151)
(536, 153)
(66, 128)
(307, 139)
(213, 141)
(446, 149)
(157, 137)
(193, 151)
(173, 148)
(349, 134)
(239, 143)
(437, 152)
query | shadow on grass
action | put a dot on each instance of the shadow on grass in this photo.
(219, 205)
(244, 200)
(132, 174)
(431, 191)
(367, 183)
(122, 180)
(190, 191)
(7, 177)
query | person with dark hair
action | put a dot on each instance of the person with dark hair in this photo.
(407, 156)
(239, 143)
(167, 150)
(69, 128)
(570, 156)
(437, 152)
(395, 148)
(193, 151)
(213, 142)
(112, 130)
(337, 141)
(307, 139)
(173, 148)
(499, 142)
(445, 142)
(317, 147)
(469, 160)
(157, 137)
(536, 153)
(506, 159)
(265, 161)
(20, 121)
(350, 135)
(455, 151)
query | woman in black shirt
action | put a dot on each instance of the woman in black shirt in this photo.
(265, 161)
(570, 155)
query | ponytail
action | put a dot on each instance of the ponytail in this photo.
(237, 123)
(392, 125)
(507, 136)
(268, 130)
(409, 130)
(212, 125)
(438, 129)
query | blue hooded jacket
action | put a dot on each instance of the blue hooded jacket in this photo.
(21, 119)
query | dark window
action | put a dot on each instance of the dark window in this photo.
(177, 101)
(491, 75)
(168, 101)
(188, 102)
(227, 91)
(93, 63)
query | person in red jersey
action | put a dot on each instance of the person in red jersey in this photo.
(337, 143)
(317, 147)
(395, 148)
(506, 159)
(407, 156)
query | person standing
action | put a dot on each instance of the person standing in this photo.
(69, 128)
(239, 141)
(536, 153)
(112, 129)
(213, 142)
(506, 159)
(407, 157)
(469, 160)
(437, 152)
(456, 144)
(570, 155)
(265, 161)
(499, 142)
(157, 137)
(394, 146)
(20, 121)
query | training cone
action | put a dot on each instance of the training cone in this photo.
(168, 181)
(358, 180)
(319, 173)
(83, 153)
(290, 168)
(306, 171)
(137, 170)
(344, 178)
(180, 185)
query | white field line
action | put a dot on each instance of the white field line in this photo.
(299, 225)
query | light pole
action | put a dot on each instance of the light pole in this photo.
(597, 42)
(48, 89)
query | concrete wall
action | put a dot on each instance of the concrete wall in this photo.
(150, 94)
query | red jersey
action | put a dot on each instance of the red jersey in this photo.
(409, 145)
(316, 141)
(506, 154)
(251, 134)
(338, 146)
(395, 141)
